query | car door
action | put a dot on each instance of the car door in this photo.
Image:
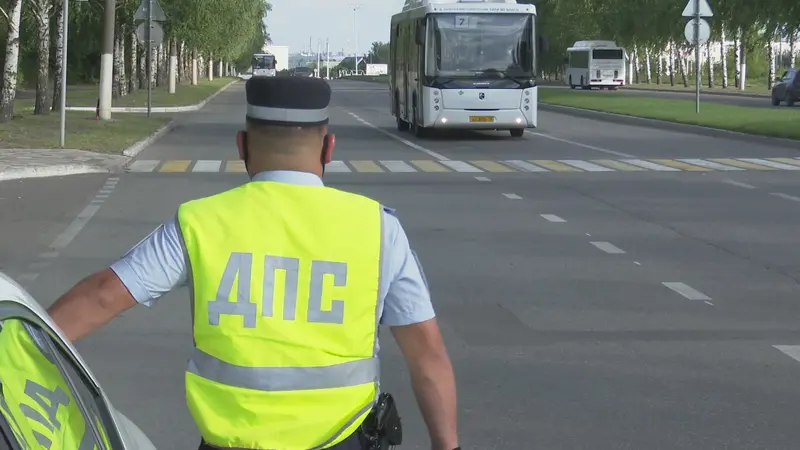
(49, 399)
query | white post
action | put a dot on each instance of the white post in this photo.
(328, 59)
(319, 69)
(65, 18)
(355, 38)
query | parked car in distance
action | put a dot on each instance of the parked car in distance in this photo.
(787, 88)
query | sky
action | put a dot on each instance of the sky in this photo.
(294, 22)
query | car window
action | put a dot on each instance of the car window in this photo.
(788, 75)
(45, 399)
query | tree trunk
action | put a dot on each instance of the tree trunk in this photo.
(792, 48)
(671, 64)
(210, 70)
(636, 65)
(59, 67)
(135, 77)
(709, 66)
(723, 53)
(682, 67)
(737, 58)
(9, 92)
(116, 83)
(173, 65)
(771, 57)
(648, 69)
(194, 68)
(42, 10)
(743, 62)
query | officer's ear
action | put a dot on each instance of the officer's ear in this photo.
(328, 143)
(241, 144)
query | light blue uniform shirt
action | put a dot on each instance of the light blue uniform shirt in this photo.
(157, 264)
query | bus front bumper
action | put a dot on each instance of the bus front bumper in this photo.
(504, 119)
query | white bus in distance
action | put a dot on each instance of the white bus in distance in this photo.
(264, 65)
(596, 64)
(468, 64)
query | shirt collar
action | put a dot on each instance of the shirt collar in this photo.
(289, 177)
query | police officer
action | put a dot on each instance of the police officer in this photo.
(289, 280)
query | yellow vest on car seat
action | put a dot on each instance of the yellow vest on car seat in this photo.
(285, 293)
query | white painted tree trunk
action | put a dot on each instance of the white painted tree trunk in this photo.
(59, 67)
(648, 69)
(221, 69)
(9, 92)
(194, 68)
(743, 62)
(173, 66)
(41, 11)
(210, 70)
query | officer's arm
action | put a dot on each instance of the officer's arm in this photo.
(153, 267)
(409, 313)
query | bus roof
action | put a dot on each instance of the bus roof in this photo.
(262, 54)
(420, 8)
(587, 45)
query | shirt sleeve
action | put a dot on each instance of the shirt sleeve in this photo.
(154, 266)
(407, 300)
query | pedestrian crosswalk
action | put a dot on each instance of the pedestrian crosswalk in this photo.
(492, 166)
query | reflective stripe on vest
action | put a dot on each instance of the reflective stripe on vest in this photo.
(36, 398)
(285, 310)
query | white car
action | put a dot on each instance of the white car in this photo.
(21, 314)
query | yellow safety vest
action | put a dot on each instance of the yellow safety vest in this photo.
(285, 293)
(36, 399)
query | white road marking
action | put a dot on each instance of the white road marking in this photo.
(207, 165)
(637, 263)
(460, 166)
(711, 165)
(28, 276)
(708, 303)
(74, 228)
(650, 165)
(585, 165)
(553, 218)
(686, 291)
(406, 142)
(785, 196)
(773, 164)
(48, 255)
(578, 144)
(792, 351)
(525, 166)
(513, 196)
(336, 167)
(739, 183)
(483, 179)
(608, 247)
(144, 165)
(398, 166)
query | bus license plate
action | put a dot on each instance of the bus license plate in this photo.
(481, 118)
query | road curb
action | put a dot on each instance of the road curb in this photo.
(138, 147)
(161, 109)
(670, 126)
(59, 170)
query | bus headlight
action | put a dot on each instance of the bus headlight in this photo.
(527, 93)
(527, 100)
(436, 100)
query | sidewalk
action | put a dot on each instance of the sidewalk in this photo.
(37, 163)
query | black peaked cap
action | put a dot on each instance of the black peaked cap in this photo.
(288, 101)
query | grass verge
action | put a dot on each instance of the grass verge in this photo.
(750, 89)
(185, 95)
(83, 132)
(762, 121)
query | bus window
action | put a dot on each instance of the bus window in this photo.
(601, 53)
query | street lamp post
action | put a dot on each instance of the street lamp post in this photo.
(63, 106)
(355, 37)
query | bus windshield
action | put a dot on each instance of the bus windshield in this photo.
(607, 53)
(472, 44)
(263, 62)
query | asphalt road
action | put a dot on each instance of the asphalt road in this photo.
(606, 310)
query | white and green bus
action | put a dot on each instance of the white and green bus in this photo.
(264, 65)
(596, 64)
(468, 64)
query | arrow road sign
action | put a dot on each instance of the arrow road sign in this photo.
(705, 9)
(704, 32)
(158, 13)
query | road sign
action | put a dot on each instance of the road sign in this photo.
(156, 33)
(158, 13)
(690, 9)
(705, 32)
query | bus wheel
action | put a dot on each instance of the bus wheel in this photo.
(517, 132)
(419, 131)
(584, 86)
(402, 125)
(571, 86)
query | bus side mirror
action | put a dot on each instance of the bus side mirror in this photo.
(543, 44)
(419, 38)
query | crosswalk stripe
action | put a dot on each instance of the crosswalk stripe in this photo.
(144, 165)
(427, 165)
(175, 165)
(366, 166)
(524, 166)
(768, 163)
(555, 166)
(336, 166)
(585, 165)
(235, 166)
(461, 166)
(492, 166)
(205, 165)
(711, 165)
(791, 161)
(398, 166)
(650, 166)
(680, 165)
(741, 164)
(619, 165)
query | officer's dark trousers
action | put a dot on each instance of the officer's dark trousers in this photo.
(351, 443)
